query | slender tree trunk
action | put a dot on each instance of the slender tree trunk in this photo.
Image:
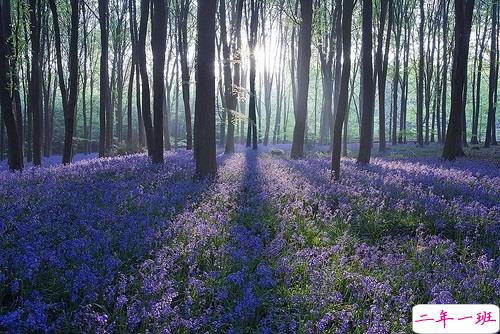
(490, 123)
(14, 152)
(14, 49)
(303, 63)
(84, 79)
(69, 95)
(252, 43)
(453, 143)
(445, 69)
(477, 108)
(367, 84)
(159, 46)
(205, 141)
(338, 67)
(347, 10)
(404, 84)
(231, 94)
(280, 91)
(382, 63)
(396, 79)
(141, 54)
(183, 50)
(429, 65)
(69, 116)
(420, 85)
(129, 104)
(104, 75)
(36, 80)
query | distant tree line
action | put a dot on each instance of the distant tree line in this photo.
(119, 76)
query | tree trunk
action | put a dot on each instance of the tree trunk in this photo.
(381, 63)
(395, 83)
(252, 43)
(338, 67)
(453, 143)
(303, 63)
(367, 83)
(104, 75)
(69, 94)
(404, 84)
(420, 85)
(13, 141)
(231, 95)
(205, 141)
(36, 80)
(347, 10)
(183, 50)
(477, 108)
(69, 116)
(146, 98)
(159, 46)
(445, 69)
(490, 123)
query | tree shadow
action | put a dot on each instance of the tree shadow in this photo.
(113, 225)
(371, 223)
(250, 278)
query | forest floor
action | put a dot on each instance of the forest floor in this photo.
(270, 245)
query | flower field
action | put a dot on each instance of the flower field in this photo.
(269, 246)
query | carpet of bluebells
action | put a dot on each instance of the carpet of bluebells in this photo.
(270, 245)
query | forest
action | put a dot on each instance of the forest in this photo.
(247, 166)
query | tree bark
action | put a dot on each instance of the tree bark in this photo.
(36, 80)
(454, 136)
(231, 94)
(205, 141)
(367, 83)
(69, 95)
(347, 10)
(490, 123)
(159, 46)
(303, 63)
(14, 153)
(252, 43)
(183, 50)
(141, 54)
(104, 75)
(420, 85)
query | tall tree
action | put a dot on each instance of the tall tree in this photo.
(327, 48)
(104, 75)
(204, 122)
(476, 92)
(35, 90)
(381, 62)
(182, 17)
(463, 16)
(69, 94)
(269, 75)
(230, 92)
(347, 10)
(159, 46)
(13, 140)
(303, 63)
(141, 54)
(14, 46)
(490, 123)
(420, 83)
(446, 5)
(367, 85)
(252, 136)
(398, 28)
